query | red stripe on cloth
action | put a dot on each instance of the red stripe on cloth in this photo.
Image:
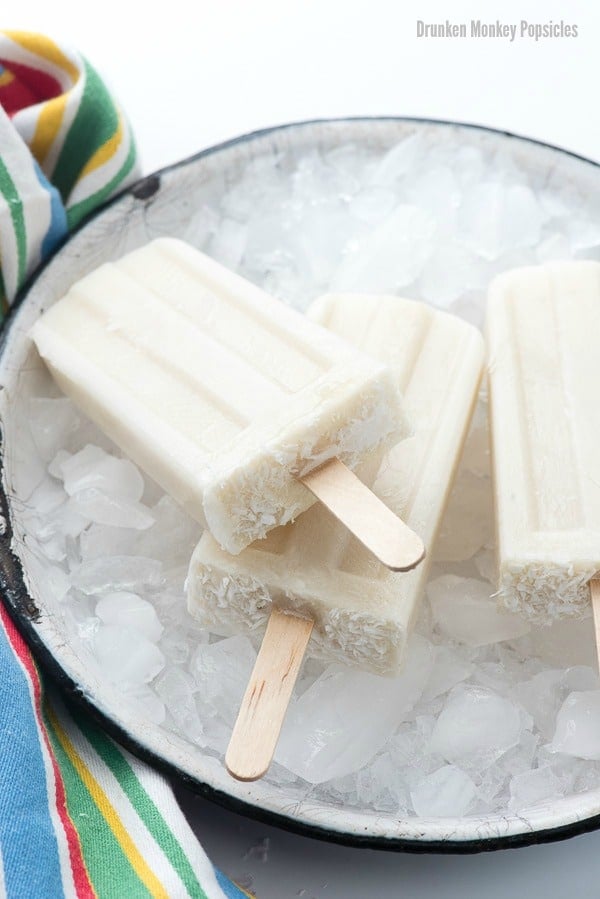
(15, 96)
(30, 86)
(81, 879)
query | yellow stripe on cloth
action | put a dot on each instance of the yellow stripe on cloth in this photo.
(131, 852)
(47, 49)
(6, 77)
(104, 153)
(47, 127)
(52, 111)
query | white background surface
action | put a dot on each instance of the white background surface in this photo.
(193, 73)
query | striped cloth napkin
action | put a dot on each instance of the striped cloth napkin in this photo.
(79, 816)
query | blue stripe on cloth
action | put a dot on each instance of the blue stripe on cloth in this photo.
(58, 217)
(27, 837)
(229, 888)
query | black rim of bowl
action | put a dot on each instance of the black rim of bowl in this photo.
(24, 611)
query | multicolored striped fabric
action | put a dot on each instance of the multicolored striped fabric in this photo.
(65, 146)
(80, 818)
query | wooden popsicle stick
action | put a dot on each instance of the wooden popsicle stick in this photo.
(258, 725)
(363, 513)
(595, 597)
(267, 696)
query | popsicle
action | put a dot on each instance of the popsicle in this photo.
(362, 613)
(544, 376)
(224, 395)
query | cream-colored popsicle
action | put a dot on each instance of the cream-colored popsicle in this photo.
(221, 393)
(362, 613)
(544, 380)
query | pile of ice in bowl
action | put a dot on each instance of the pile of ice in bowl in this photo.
(490, 714)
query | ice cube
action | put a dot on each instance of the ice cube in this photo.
(131, 611)
(102, 540)
(27, 468)
(176, 643)
(177, 690)
(555, 200)
(115, 573)
(93, 504)
(267, 248)
(449, 669)
(125, 657)
(350, 159)
(578, 726)
(448, 792)
(475, 722)
(491, 784)
(586, 778)
(318, 239)
(62, 522)
(221, 672)
(372, 204)
(523, 217)
(55, 468)
(495, 676)
(451, 271)
(201, 226)
(437, 190)
(314, 180)
(54, 528)
(391, 255)
(409, 746)
(258, 187)
(47, 497)
(217, 731)
(532, 787)
(481, 218)
(497, 217)
(173, 536)
(399, 160)
(50, 580)
(346, 716)
(469, 165)
(228, 243)
(92, 467)
(146, 703)
(541, 697)
(464, 610)
(521, 757)
(379, 786)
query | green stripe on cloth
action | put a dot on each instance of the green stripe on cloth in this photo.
(95, 122)
(109, 869)
(76, 213)
(4, 306)
(14, 201)
(143, 804)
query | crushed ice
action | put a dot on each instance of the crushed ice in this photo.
(489, 716)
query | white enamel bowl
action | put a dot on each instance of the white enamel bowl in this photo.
(162, 204)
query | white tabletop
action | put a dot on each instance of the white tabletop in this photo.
(280, 865)
(192, 74)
